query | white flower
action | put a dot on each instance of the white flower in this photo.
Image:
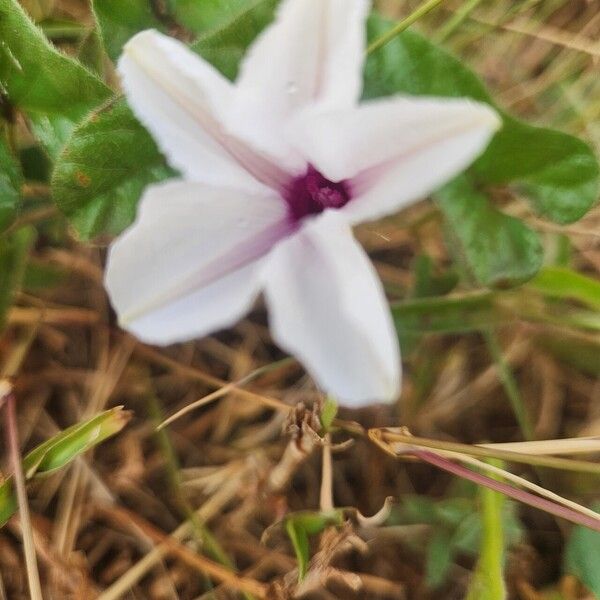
(276, 169)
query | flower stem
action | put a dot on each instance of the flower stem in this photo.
(459, 16)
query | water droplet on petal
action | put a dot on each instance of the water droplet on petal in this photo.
(291, 87)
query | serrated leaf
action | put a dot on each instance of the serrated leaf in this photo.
(499, 250)
(559, 173)
(101, 173)
(38, 78)
(11, 180)
(14, 250)
(118, 21)
(62, 449)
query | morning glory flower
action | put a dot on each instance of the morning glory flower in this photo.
(276, 169)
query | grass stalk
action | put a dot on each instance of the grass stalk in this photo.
(405, 23)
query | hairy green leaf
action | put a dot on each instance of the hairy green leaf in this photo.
(110, 158)
(38, 78)
(102, 171)
(118, 21)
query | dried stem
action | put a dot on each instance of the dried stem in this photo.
(12, 440)
(326, 496)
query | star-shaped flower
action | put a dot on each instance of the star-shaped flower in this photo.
(276, 168)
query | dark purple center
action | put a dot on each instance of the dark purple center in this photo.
(312, 193)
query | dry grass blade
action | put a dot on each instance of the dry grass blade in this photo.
(206, 566)
(12, 436)
(398, 440)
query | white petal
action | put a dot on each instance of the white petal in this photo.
(183, 101)
(190, 264)
(394, 151)
(313, 53)
(327, 307)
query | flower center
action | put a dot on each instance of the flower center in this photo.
(312, 193)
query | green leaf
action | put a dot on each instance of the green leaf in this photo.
(427, 282)
(61, 449)
(52, 131)
(558, 172)
(499, 250)
(214, 15)
(582, 557)
(77, 439)
(300, 525)
(439, 559)
(299, 539)
(11, 180)
(228, 26)
(447, 314)
(14, 250)
(38, 78)
(91, 53)
(102, 171)
(562, 282)
(411, 64)
(62, 29)
(118, 21)
(328, 413)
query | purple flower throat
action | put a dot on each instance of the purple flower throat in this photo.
(312, 193)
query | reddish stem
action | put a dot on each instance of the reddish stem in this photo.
(508, 490)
